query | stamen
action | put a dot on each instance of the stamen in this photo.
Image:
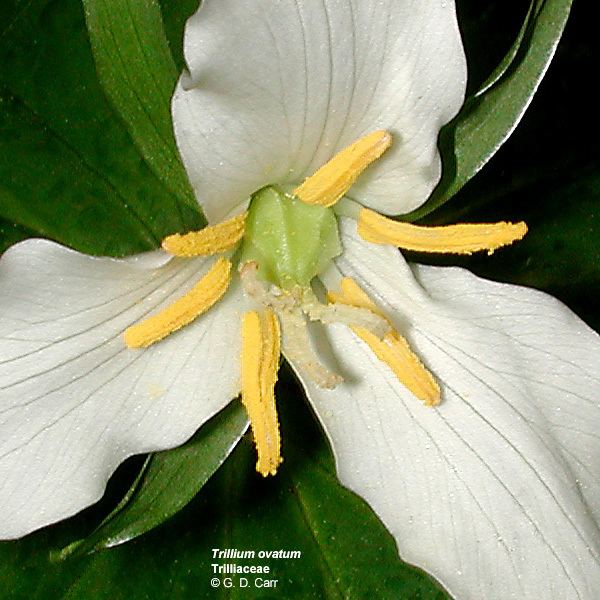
(338, 175)
(393, 350)
(298, 349)
(464, 238)
(289, 307)
(207, 241)
(199, 299)
(346, 314)
(260, 363)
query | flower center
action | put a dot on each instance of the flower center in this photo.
(292, 242)
(283, 243)
(299, 304)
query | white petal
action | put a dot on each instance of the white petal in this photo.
(275, 88)
(496, 492)
(74, 401)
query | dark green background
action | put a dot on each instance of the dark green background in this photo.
(70, 171)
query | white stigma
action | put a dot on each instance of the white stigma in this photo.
(293, 307)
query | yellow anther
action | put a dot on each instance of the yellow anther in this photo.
(393, 349)
(183, 311)
(464, 238)
(260, 363)
(207, 241)
(338, 175)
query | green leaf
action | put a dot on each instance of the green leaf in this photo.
(68, 168)
(562, 247)
(166, 483)
(39, 166)
(345, 551)
(560, 253)
(10, 234)
(354, 555)
(138, 74)
(489, 117)
(511, 55)
(175, 14)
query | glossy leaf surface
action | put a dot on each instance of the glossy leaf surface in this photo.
(490, 116)
(68, 168)
(166, 483)
(345, 552)
(138, 74)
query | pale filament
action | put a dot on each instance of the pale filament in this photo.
(292, 308)
(299, 350)
(296, 340)
(308, 303)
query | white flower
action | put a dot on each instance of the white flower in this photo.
(495, 491)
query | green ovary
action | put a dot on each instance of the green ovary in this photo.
(292, 242)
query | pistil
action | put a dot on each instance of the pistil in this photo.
(296, 341)
(299, 351)
(294, 306)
